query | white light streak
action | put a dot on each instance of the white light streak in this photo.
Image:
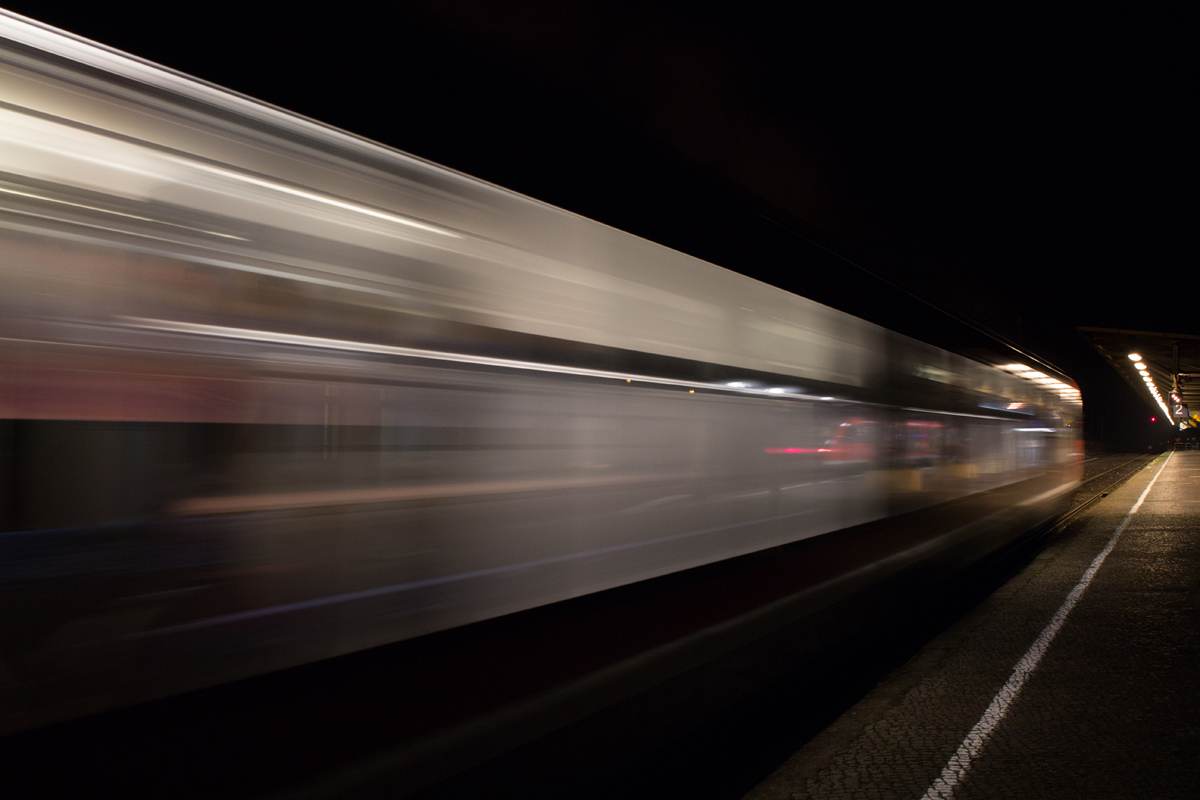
(45, 199)
(297, 340)
(320, 198)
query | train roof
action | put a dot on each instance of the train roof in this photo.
(155, 135)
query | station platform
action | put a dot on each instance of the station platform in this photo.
(1080, 678)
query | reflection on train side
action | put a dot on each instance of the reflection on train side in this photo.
(855, 442)
(932, 454)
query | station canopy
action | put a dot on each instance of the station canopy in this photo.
(1171, 362)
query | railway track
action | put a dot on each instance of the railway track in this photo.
(1115, 470)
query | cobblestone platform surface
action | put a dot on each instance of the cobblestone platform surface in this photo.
(1031, 696)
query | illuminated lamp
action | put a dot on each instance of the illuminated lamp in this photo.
(1134, 357)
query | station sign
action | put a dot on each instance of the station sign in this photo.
(1180, 411)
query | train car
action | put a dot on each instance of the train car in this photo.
(272, 393)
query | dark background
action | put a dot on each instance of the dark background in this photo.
(1023, 171)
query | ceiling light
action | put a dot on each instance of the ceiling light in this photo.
(1143, 373)
(1134, 357)
(1139, 365)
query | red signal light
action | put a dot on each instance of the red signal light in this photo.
(1154, 419)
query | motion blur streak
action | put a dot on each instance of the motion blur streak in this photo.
(250, 364)
(368, 347)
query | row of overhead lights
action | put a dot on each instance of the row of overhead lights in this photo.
(1064, 390)
(1145, 373)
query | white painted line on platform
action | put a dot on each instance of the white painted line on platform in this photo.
(956, 769)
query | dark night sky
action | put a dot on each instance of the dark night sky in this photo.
(1024, 171)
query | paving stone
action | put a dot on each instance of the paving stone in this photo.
(1111, 711)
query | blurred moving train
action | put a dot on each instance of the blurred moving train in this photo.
(272, 393)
